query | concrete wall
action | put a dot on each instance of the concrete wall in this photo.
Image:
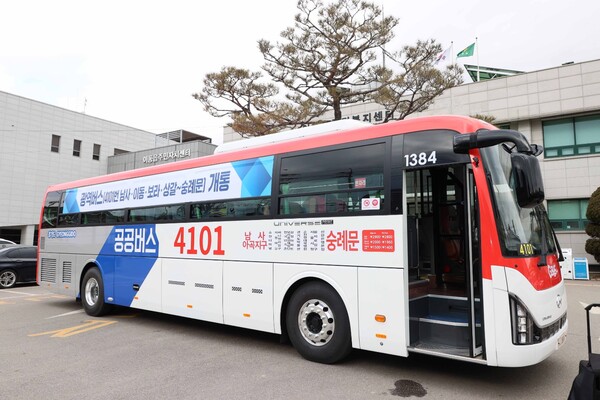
(28, 167)
(159, 155)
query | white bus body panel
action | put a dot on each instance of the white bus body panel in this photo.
(150, 296)
(191, 288)
(543, 307)
(246, 285)
(382, 291)
(248, 295)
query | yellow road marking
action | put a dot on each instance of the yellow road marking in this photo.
(42, 298)
(74, 330)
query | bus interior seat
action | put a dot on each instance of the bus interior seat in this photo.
(337, 205)
(315, 204)
(295, 208)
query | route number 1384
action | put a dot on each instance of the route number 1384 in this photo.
(414, 159)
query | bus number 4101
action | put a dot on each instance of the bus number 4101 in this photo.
(193, 240)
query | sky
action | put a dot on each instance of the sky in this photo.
(138, 63)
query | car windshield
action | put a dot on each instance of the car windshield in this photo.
(523, 232)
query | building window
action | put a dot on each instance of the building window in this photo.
(568, 215)
(96, 153)
(76, 148)
(55, 146)
(572, 136)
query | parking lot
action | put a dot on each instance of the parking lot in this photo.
(50, 349)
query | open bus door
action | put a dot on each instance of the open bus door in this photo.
(444, 261)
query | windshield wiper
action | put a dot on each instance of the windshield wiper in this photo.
(544, 248)
(547, 223)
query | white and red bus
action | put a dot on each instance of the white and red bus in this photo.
(427, 235)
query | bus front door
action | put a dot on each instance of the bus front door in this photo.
(444, 280)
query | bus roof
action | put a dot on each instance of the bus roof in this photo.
(460, 124)
(313, 130)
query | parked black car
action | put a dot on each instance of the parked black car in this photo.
(17, 265)
(6, 243)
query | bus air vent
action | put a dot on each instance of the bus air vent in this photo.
(205, 285)
(48, 270)
(67, 271)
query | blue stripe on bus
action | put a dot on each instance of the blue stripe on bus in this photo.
(126, 258)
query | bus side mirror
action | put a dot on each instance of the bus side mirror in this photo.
(527, 178)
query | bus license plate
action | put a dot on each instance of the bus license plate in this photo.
(561, 340)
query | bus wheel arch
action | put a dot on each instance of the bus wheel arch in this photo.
(316, 321)
(92, 291)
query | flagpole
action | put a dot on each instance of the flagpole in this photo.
(452, 50)
(477, 50)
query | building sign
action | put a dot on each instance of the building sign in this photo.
(374, 117)
(166, 156)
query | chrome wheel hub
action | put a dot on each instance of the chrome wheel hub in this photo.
(316, 322)
(92, 291)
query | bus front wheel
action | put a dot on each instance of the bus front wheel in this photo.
(317, 323)
(92, 293)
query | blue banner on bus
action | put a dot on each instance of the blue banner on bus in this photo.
(246, 178)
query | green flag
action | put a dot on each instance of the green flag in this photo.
(467, 52)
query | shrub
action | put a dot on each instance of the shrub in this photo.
(592, 245)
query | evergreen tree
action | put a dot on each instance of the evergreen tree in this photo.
(592, 245)
(327, 60)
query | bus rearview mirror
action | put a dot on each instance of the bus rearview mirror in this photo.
(527, 178)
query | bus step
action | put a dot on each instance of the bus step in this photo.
(441, 348)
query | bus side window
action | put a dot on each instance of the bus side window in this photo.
(287, 207)
(68, 219)
(196, 212)
(209, 210)
(51, 210)
(336, 205)
(315, 204)
(110, 217)
(264, 208)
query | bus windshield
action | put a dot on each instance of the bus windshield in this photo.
(523, 232)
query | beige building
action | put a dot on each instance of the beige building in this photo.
(42, 144)
(183, 145)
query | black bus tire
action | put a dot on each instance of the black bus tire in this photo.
(92, 294)
(317, 323)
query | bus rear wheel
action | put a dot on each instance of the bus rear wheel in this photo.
(317, 323)
(92, 294)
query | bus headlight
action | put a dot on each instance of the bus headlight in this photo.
(523, 328)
